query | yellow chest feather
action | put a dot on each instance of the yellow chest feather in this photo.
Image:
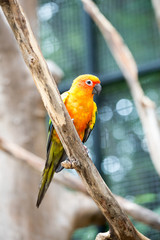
(80, 111)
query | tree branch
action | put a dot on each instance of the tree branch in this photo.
(127, 64)
(103, 236)
(156, 7)
(66, 179)
(120, 225)
(139, 213)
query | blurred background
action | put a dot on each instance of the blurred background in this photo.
(117, 145)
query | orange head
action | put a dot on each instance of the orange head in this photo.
(88, 84)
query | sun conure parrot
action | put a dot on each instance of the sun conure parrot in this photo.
(82, 110)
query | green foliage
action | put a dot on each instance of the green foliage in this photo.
(88, 233)
(157, 210)
(145, 198)
(141, 227)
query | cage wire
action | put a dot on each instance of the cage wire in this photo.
(65, 37)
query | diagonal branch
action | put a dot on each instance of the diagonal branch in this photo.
(139, 213)
(120, 225)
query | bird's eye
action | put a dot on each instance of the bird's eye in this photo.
(89, 82)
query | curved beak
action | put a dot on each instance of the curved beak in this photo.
(97, 89)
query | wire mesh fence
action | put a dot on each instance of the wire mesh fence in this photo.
(70, 39)
(126, 164)
(65, 40)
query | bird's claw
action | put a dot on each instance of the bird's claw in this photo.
(86, 149)
(73, 164)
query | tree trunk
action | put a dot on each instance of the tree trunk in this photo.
(22, 121)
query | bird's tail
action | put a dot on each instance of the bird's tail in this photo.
(45, 182)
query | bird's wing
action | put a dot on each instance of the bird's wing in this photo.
(91, 124)
(53, 140)
(55, 155)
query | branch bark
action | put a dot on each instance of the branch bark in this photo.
(103, 236)
(139, 213)
(127, 64)
(66, 179)
(120, 226)
(21, 120)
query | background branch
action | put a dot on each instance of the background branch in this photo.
(66, 179)
(127, 64)
(139, 213)
(156, 8)
(120, 225)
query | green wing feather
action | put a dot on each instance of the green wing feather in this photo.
(91, 124)
(55, 153)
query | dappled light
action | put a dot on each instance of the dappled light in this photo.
(124, 107)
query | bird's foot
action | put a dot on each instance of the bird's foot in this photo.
(86, 149)
(71, 164)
